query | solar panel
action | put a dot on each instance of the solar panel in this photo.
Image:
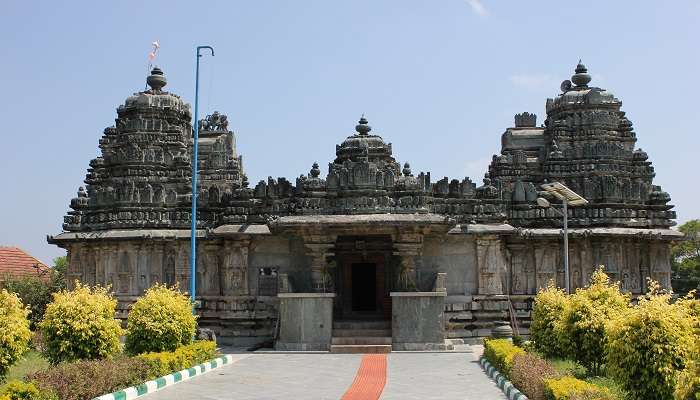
(560, 191)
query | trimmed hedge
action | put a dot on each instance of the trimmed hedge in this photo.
(500, 353)
(528, 372)
(88, 379)
(184, 357)
(14, 330)
(161, 320)
(570, 388)
(80, 324)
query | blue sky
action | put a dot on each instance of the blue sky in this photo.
(440, 79)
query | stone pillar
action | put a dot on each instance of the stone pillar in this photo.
(319, 248)
(407, 248)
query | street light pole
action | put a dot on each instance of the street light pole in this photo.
(195, 161)
(568, 198)
(566, 246)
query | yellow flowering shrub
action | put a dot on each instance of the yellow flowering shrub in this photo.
(583, 324)
(688, 387)
(548, 306)
(80, 324)
(18, 390)
(166, 362)
(14, 330)
(649, 345)
(161, 320)
(500, 353)
(570, 388)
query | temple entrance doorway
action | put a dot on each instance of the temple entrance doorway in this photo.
(363, 275)
(364, 283)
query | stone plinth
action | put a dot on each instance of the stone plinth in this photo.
(417, 320)
(306, 321)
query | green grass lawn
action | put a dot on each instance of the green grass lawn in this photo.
(31, 362)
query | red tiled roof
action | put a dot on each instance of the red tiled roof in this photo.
(16, 262)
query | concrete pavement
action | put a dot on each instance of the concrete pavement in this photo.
(272, 376)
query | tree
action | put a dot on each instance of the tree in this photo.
(686, 258)
(36, 292)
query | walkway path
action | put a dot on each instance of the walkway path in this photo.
(405, 376)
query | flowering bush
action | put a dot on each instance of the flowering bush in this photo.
(80, 324)
(14, 330)
(18, 390)
(161, 320)
(548, 306)
(583, 324)
(649, 345)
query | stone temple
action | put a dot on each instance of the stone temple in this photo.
(366, 251)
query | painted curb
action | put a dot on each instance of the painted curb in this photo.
(167, 380)
(504, 384)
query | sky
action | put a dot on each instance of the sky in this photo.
(440, 79)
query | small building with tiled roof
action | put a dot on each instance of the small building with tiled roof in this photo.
(15, 263)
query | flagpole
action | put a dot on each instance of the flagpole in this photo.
(195, 161)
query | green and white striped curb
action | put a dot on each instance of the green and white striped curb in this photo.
(504, 384)
(167, 380)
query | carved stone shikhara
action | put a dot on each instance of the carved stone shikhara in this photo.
(129, 225)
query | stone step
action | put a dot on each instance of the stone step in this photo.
(361, 340)
(381, 324)
(361, 332)
(360, 349)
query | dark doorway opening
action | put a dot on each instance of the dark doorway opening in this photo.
(364, 287)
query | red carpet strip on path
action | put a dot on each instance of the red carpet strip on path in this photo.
(370, 379)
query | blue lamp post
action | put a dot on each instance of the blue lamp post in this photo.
(195, 161)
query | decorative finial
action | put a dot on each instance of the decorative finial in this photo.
(362, 128)
(581, 77)
(156, 80)
(315, 170)
(406, 169)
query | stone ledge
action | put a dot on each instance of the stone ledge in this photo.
(305, 295)
(418, 294)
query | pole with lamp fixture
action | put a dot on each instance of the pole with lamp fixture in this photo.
(568, 198)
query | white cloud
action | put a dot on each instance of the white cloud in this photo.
(477, 7)
(534, 81)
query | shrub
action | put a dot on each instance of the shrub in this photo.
(528, 373)
(88, 379)
(184, 357)
(18, 390)
(547, 309)
(161, 320)
(688, 387)
(648, 346)
(14, 330)
(570, 388)
(582, 327)
(80, 324)
(500, 353)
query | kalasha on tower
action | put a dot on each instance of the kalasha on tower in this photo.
(367, 244)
